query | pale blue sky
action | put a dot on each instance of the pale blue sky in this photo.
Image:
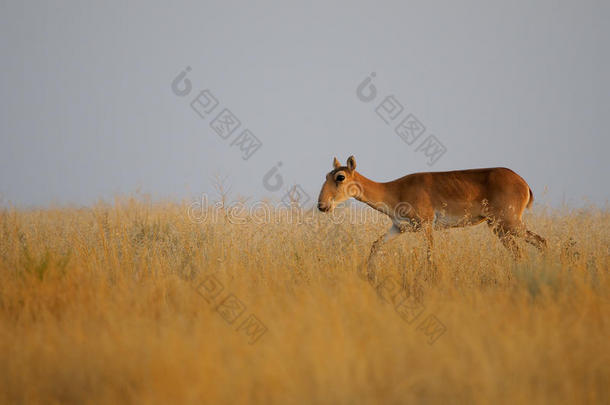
(87, 109)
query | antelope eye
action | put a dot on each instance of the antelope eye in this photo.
(340, 177)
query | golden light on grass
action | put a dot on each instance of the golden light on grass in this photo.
(101, 305)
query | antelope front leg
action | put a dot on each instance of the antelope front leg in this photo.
(430, 242)
(389, 235)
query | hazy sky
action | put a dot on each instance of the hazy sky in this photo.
(88, 111)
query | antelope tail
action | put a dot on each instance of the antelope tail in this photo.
(531, 200)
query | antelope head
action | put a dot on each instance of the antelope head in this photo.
(340, 185)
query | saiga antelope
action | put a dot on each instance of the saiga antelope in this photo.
(424, 201)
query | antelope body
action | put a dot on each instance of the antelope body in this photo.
(425, 201)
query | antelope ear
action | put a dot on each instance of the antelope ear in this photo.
(351, 163)
(336, 163)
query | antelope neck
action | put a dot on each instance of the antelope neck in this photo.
(373, 193)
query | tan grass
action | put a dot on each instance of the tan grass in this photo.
(99, 305)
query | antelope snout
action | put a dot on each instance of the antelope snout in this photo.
(323, 207)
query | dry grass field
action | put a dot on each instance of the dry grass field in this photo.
(134, 302)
